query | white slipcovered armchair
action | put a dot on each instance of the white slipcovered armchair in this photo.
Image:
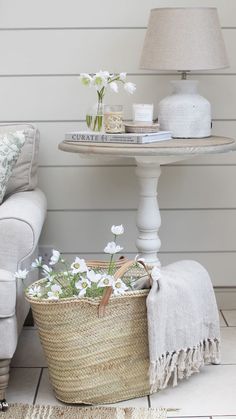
(22, 214)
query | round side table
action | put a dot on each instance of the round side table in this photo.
(149, 158)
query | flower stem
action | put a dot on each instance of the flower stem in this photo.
(98, 119)
(110, 267)
(61, 285)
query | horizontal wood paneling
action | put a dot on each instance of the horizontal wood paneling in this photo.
(185, 231)
(74, 13)
(52, 133)
(90, 187)
(72, 52)
(221, 266)
(41, 56)
(215, 263)
(116, 187)
(64, 98)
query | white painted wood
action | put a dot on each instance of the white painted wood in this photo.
(87, 231)
(148, 218)
(181, 230)
(221, 266)
(117, 187)
(59, 102)
(74, 13)
(64, 98)
(76, 51)
(197, 187)
(148, 170)
(90, 187)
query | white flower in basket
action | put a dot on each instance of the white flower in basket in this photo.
(77, 280)
(55, 257)
(21, 274)
(96, 346)
(117, 230)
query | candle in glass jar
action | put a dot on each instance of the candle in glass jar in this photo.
(113, 119)
(142, 112)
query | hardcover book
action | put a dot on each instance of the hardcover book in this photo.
(88, 136)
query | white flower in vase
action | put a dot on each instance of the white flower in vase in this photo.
(123, 76)
(130, 87)
(86, 79)
(114, 86)
(100, 81)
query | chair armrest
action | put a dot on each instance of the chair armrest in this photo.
(21, 219)
(7, 294)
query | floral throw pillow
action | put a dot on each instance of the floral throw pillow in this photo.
(11, 144)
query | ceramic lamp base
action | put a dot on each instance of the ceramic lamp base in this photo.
(185, 113)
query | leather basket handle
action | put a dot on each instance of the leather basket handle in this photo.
(119, 273)
(102, 264)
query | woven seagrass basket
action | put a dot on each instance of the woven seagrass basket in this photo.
(95, 358)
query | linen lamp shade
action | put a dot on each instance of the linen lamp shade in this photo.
(184, 39)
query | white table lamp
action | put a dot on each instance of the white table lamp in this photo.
(184, 39)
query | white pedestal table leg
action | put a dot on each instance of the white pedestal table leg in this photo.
(148, 215)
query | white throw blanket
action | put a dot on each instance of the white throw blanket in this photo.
(183, 324)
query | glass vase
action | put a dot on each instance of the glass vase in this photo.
(95, 117)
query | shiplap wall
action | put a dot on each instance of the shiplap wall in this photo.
(44, 46)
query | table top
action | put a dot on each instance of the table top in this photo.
(173, 147)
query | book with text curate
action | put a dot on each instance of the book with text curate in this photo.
(88, 136)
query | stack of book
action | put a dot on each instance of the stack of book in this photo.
(128, 138)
